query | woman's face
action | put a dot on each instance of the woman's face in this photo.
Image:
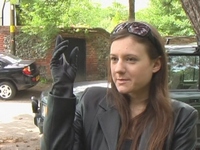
(131, 67)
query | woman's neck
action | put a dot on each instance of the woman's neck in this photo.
(138, 104)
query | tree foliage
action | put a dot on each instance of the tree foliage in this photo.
(168, 16)
(69, 13)
(45, 18)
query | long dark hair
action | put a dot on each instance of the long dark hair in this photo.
(158, 112)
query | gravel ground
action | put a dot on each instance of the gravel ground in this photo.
(17, 130)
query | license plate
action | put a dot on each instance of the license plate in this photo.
(37, 77)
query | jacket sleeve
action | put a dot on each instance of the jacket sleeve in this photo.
(185, 131)
(58, 124)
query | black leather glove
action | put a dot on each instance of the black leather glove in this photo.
(63, 72)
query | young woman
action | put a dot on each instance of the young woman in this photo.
(136, 113)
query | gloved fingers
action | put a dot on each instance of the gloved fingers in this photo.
(63, 43)
(57, 56)
(64, 60)
(59, 39)
(73, 59)
(59, 51)
(60, 46)
(61, 59)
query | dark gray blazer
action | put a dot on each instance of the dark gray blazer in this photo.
(95, 124)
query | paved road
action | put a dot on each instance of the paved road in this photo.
(17, 130)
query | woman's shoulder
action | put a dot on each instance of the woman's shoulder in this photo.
(183, 110)
(180, 106)
(90, 103)
(93, 95)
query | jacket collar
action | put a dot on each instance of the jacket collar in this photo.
(109, 121)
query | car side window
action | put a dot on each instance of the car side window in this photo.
(184, 72)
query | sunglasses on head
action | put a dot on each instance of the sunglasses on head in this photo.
(139, 29)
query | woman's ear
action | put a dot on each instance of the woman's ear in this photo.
(156, 65)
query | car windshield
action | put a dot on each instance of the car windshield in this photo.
(11, 58)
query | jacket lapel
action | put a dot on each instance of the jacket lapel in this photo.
(109, 121)
(110, 124)
(144, 138)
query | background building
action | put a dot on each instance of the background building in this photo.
(5, 8)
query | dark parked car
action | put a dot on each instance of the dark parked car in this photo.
(184, 81)
(39, 106)
(16, 74)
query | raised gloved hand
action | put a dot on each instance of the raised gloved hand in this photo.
(63, 72)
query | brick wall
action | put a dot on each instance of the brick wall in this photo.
(96, 43)
(4, 31)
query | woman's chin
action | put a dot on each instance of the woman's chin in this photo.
(122, 91)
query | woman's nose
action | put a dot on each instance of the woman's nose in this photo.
(120, 67)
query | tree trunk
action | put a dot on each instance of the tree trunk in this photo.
(131, 10)
(192, 10)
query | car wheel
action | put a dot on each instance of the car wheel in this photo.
(7, 90)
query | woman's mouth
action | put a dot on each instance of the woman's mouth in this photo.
(122, 81)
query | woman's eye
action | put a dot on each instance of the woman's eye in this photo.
(131, 59)
(113, 58)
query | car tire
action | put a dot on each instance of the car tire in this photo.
(7, 90)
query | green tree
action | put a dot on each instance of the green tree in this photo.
(113, 15)
(42, 20)
(168, 16)
(76, 13)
